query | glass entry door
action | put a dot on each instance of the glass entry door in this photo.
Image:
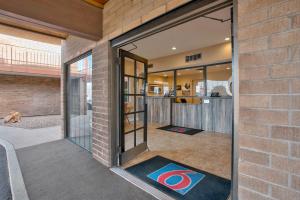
(79, 104)
(133, 123)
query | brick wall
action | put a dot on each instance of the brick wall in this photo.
(269, 125)
(119, 16)
(73, 47)
(269, 56)
(101, 104)
(29, 95)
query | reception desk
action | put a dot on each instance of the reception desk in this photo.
(211, 114)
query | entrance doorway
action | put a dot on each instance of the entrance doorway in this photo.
(133, 135)
(187, 111)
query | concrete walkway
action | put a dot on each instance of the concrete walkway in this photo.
(21, 138)
(64, 171)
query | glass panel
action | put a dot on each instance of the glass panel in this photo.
(161, 84)
(139, 106)
(128, 123)
(140, 120)
(80, 102)
(140, 136)
(128, 104)
(190, 82)
(128, 85)
(128, 66)
(140, 69)
(129, 141)
(140, 84)
(219, 80)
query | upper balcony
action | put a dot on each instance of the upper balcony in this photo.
(26, 61)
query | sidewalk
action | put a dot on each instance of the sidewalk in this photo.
(21, 137)
(64, 171)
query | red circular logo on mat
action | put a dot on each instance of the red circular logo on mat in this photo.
(183, 183)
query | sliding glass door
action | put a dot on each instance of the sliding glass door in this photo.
(79, 91)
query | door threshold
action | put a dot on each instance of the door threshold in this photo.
(140, 184)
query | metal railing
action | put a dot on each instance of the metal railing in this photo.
(16, 55)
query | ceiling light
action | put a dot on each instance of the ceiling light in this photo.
(174, 48)
(165, 75)
(178, 74)
(228, 68)
(227, 39)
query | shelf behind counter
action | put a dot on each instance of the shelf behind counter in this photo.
(209, 113)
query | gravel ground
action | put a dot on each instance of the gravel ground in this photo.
(35, 122)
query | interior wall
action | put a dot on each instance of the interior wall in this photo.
(212, 54)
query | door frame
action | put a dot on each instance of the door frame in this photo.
(66, 89)
(168, 20)
(131, 153)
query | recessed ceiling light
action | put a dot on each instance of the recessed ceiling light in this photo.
(174, 48)
(227, 39)
(228, 68)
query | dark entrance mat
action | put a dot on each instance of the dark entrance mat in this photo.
(178, 129)
(181, 181)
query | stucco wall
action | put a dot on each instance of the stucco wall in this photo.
(31, 96)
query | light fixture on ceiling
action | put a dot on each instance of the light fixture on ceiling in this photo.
(174, 48)
(228, 68)
(227, 38)
(165, 75)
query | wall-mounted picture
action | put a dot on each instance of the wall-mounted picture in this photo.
(187, 86)
(178, 87)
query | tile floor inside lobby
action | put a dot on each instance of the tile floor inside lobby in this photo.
(207, 151)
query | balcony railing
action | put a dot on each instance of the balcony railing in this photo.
(16, 55)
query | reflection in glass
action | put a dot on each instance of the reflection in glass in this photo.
(190, 82)
(129, 66)
(218, 80)
(139, 136)
(80, 102)
(129, 141)
(140, 69)
(161, 84)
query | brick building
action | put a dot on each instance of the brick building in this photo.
(268, 123)
(266, 86)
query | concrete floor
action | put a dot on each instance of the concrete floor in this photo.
(21, 137)
(5, 190)
(62, 170)
(206, 151)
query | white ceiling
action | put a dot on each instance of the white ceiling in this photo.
(195, 34)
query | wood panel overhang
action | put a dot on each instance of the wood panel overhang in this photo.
(58, 18)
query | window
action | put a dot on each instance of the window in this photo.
(80, 102)
(190, 82)
(218, 80)
(161, 84)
